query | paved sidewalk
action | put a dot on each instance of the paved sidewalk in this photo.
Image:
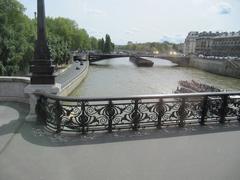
(28, 151)
(12, 117)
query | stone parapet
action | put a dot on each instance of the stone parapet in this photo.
(12, 89)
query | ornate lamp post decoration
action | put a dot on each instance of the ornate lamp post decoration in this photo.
(41, 67)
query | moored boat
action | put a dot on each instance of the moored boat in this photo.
(141, 62)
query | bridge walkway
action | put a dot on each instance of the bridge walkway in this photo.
(29, 151)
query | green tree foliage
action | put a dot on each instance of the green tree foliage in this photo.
(150, 47)
(18, 35)
(101, 43)
(108, 44)
(105, 46)
(94, 43)
(59, 50)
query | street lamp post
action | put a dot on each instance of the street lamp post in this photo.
(42, 68)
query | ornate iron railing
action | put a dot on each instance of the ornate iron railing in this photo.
(138, 112)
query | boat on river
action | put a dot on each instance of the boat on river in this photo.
(141, 62)
(195, 87)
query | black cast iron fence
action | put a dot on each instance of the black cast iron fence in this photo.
(137, 112)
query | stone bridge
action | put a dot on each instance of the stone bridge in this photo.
(180, 60)
(100, 57)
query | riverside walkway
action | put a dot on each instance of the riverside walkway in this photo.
(71, 73)
(28, 151)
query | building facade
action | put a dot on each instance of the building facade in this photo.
(190, 43)
(213, 44)
(204, 43)
(227, 44)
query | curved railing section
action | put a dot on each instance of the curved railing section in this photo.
(137, 112)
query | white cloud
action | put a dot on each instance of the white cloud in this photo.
(96, 12)
(197, 2)
(133, 30)
(222, 8)
(94, 32)
(174, 39)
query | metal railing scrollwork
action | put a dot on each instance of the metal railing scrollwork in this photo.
(136, 112)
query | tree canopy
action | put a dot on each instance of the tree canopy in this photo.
(18, 36)
(150, 47)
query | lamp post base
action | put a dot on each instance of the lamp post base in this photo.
(31, 90)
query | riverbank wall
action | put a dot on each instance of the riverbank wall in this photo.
(181, 61)
(229, 68)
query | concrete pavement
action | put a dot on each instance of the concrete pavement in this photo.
(29, 151)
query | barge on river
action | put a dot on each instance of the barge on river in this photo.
(141, 62)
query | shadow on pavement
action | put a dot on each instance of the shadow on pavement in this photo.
(36, 133)
(12, 116)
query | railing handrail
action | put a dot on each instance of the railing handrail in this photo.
(156, 96)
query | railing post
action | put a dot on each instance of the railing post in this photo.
(223, 110)
(40, 110)
(239, 114)
(160, 113)
(136, 116)
(182, 113)
(83, 118)
(110, 113)
(204, 110)
(58, 113)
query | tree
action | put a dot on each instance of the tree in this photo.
(16, 34)
(101, 45)
(164, 47)
(94, 43)
(59, 50)
(108, 44)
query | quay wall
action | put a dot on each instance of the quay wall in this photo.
(181, 61)
(221, 67)
(12, 89)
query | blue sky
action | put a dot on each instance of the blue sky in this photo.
(145, 20)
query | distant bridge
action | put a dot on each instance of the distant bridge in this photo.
(180, 60)
(100, 57)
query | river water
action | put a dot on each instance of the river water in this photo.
(120, 77)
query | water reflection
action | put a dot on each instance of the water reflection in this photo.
(119, 77)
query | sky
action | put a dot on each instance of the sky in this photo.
(145, 20)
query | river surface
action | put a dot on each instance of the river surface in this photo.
(120, 77)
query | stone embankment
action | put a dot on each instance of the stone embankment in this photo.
(229, 68)
(222, 67)
(181, 61)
